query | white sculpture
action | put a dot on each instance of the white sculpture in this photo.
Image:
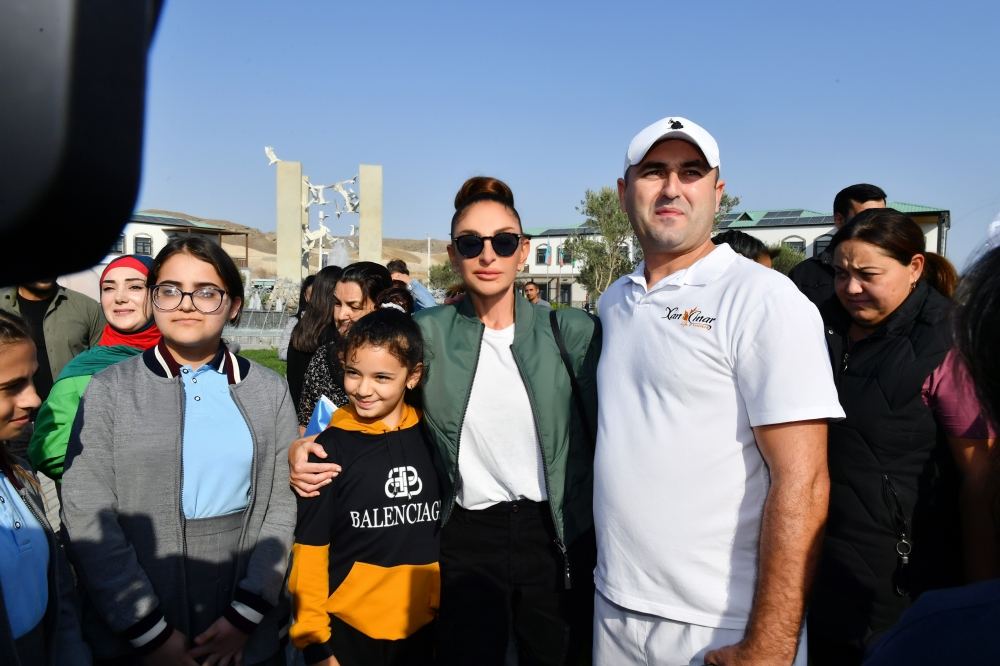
(313, 238)
(271, 157)
(350, 197)
(313, 194)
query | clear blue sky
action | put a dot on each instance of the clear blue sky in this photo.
(546, 95)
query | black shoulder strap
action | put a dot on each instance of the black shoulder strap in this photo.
(577, 397)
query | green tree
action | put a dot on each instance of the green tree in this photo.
(604, 255)
(726, 206)
(443, 275)
(784, 258)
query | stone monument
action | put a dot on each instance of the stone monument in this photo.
(370, 232)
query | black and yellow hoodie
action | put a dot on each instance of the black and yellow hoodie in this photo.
(366, 549)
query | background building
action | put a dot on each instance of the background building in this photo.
(810, 232)
(551, 265)
(146, 234)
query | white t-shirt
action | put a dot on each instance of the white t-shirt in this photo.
(499, 458)
(687, 368)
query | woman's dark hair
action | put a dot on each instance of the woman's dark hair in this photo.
(742, 243)
(371, 277)
(389, 328)
(940, 273)
(483, 188)
(397, 294)
(978, 329)
(14, 329)
(209, 252)
(303, 288)
(899, 237)
(317, 319)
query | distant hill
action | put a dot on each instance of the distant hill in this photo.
(263, 246)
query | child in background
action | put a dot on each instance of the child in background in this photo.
(365, 580)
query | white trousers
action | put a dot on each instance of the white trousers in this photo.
(623, 636)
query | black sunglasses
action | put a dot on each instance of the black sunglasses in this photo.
(471, 246)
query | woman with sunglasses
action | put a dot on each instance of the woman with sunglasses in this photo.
(518, 456)
(175, 498)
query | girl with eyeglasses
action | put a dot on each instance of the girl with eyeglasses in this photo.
(517, 452)
(130, 330)
(39, 622)
(175, 500)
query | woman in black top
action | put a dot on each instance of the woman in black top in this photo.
(314, 328)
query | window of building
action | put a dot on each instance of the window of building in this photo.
(565, 255)
(821, 243)
(796, 243)
(143, 245)
(119, 246)
(542, 254)
(566, 293)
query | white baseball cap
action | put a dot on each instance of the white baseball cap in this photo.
(672, 127)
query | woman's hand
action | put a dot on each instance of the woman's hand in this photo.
(220, 645)
(306, 477)
(171, 653)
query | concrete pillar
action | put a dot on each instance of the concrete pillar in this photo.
(370, 234)
(305, 255)
(289, 221)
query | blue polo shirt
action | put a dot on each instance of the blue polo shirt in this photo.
(218, 446)
(24, 561)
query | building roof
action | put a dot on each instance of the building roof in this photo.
(802, 217)
(170, 221)
(789, 217)
(579, 230)
(911, 208)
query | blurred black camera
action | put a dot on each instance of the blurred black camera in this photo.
(74, 87)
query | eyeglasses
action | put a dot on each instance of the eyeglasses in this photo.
(471, 246)
(206, 300)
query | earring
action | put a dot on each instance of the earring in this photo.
(913, 285)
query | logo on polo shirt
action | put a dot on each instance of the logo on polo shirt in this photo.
(403, 482)
(690, 317)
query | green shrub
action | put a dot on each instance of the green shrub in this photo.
(266, 357)
(784, 258)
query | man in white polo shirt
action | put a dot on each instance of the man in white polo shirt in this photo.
(710, 480)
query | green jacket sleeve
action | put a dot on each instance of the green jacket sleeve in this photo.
(47, 449)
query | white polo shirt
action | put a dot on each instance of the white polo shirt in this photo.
(688, 367)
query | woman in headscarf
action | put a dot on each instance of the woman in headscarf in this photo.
(130, 331)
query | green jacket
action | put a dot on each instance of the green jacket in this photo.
(452, 337)
(72, 323)
(47, 450)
